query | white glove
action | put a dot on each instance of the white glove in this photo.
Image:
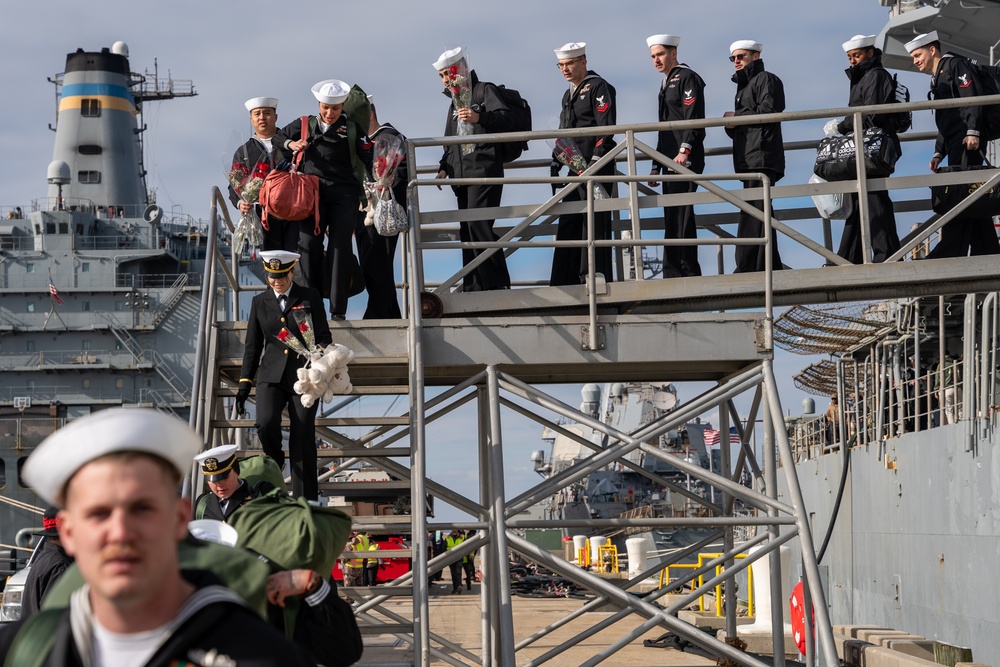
(830, 129)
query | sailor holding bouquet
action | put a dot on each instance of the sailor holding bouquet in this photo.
(284, 317)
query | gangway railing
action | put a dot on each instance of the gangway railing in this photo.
(885, 387)
(536, 220)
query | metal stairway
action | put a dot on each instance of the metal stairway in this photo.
(494, 350)
(170, 299)
(159, 364)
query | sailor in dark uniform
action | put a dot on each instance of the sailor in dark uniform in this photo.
(487, 113)
(336, 149)
(681, 97)
(227, 490)
(47, 566)
(958, 139)
(870, 84)
(259, 149)
(756, 148)
(273, 313)
(376, 252)
(588, 102)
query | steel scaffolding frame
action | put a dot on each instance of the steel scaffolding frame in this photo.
(494, 514)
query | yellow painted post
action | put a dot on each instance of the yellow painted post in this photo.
(608, 553)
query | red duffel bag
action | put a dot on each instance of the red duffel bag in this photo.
(291, 195)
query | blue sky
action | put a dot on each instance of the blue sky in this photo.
(235, 51)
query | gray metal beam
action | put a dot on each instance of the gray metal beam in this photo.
(619, 596)
(801, 286)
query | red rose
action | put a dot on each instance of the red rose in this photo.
(283, 335)
(455, 90)
(304, 327)
(453, 69)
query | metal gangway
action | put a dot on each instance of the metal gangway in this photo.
(497, 351)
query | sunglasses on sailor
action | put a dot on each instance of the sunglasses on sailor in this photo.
(566, 64)
(738, 56)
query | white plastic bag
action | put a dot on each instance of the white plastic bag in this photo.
(834, 206)
(389, 217)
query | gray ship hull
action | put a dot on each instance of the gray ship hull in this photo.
(917, 537)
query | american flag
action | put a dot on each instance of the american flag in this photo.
(53, 292)
(714, 437)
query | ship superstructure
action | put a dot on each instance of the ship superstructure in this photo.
(101, 289)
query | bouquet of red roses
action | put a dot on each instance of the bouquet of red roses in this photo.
(247, 185)
(460, 86)
(389, 154)
(383, 211)
(303, 322)
(566, 151)
(291, 341)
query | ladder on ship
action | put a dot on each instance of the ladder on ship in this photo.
(493, 350)
(160, 365)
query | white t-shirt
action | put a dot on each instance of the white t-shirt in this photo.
(112, 649)
(267, 144)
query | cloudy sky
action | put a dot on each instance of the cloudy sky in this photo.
(233, 51)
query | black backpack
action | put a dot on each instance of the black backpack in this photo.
(901, 120)
(988, 83)
(520, 116)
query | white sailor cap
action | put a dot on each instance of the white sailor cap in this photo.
(571, 50)
(663, 40)
(258, 102)
(449, 58)
(745, 45)
(331, 91)
(858, 42)
(921, 40)
(217, 462)
(62, 454)
(277, 262)
(210, 530)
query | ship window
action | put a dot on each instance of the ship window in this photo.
(31, 307)
(86, 306)
(90, 108)
(89, 149)
(64, 228)
(85, 267)
(85, 344)
(3, 473)
(88, 177)
(50, 228)
(119, 383)
(31, 346)
(29, 267)
(86, 383)
(20, 465)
